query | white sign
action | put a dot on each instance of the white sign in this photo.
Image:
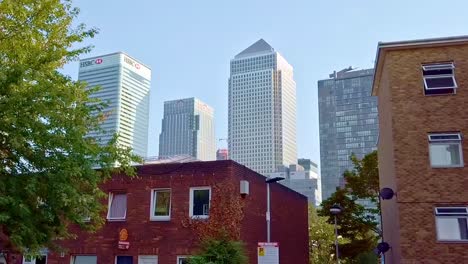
(115, 59)
(268, 253)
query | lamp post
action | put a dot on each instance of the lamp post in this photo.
(268, 215)
(335, 210)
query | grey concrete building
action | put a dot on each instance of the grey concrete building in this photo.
(125, 86)
(188, 129)
(348, 123)
(262, 109)
(300, 179)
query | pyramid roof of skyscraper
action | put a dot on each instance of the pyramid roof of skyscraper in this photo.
(258, 47)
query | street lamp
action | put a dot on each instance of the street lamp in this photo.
(336, 210)
(268, 218)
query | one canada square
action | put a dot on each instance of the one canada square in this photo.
(262, 109)
(124, 85)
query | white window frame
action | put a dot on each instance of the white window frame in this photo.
(153, 204)
(111, 197)
(457, 139)
(181, 257)
(143, 256)
(33, 260)
(192, 189)
(449, 215)
(439, 66)
(72, 259)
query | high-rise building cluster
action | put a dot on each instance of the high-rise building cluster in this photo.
(261, 115)
(418, 126)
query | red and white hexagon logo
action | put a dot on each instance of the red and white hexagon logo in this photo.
(98, 61)
(137, 66)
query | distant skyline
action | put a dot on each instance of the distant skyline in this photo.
(189, 44)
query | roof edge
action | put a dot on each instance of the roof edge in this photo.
(423, 42)
(407, 44)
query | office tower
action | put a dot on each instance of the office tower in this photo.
(188, 129)
(222, 154)
(348, 124)
(262, 109)
(125, 86)
(300, 180)
(310, 167)
(422, 90)
(312, 172)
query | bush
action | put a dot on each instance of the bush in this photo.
(220, 251)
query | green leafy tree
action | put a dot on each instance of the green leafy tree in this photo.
(321, 238)
(221, 250)
(358, 224)
(363, 181)
(47, 170)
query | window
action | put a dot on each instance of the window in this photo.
(160, 204)
(147, 259)
(84, 260)
(117, 209)
(439, 78)
(39, 260)
(451, 223)
(182, 260)
(124, 260)
(445, 150)
(200, 202)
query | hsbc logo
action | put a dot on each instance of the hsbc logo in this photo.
(90, 62)
(132, 63)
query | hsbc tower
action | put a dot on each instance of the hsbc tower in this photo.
(124, 86)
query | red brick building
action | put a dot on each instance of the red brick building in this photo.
(422, 89)
(153, 207)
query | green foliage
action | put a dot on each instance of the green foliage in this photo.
(321, 239)
(366, 258)
(358, 224)
(363, 181)
(220, 251)
(47, 175)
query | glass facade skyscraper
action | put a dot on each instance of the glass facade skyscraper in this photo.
(188, 129)
(262, 109)
(125, 86)
(348, 123)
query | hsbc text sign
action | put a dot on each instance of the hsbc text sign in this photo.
(132, 63)
(90, 62)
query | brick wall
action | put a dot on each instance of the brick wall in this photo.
(168, 239)
(406, 168)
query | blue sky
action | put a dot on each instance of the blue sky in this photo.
(188, 44)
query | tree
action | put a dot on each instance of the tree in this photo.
(357, 223)
(47, 175)
(221, 250)
(363, 181)
(321, 238)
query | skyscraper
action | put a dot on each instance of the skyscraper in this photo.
(188, 129)
(348, 123)
(125, 86)
(262, 109)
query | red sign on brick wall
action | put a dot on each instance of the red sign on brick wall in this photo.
(123, 236)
